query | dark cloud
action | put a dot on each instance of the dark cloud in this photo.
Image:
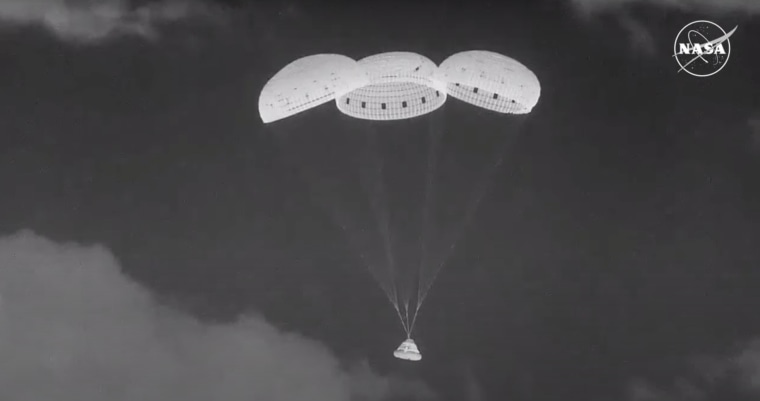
(91, 21)
(73, 327)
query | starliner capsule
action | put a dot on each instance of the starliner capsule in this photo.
(408, 351)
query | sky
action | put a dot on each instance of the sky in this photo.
(157, 241)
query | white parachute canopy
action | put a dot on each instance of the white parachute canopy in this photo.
(491, 81)
(401, 85)
(408, 351)
(307, 83)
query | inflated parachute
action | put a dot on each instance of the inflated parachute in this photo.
(389, 87)
(401, 85)
(491, 81)
(307, 83)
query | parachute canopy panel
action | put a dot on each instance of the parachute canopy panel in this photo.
(402, 85)
(408, 351)
(307, 83)
(491, 81)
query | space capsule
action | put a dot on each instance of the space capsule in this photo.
(408, 351)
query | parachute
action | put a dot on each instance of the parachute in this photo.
(491, 81)
(307, 83)
(401, 86)
(390, 97)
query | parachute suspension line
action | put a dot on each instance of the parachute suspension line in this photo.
(435, 140)
(388, 291)
(406, 311)
(380, 206)
(430, 174)
(418, 301)
(470, 212)
(477, 196)
(414, 319)
(404, 323)
(374, 186)
(340, 219)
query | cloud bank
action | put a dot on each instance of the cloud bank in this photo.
(74, 328)
(735, 376)
(88, 21)
(706, 6)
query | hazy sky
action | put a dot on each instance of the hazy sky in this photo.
(159, 245)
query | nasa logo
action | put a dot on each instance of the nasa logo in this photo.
(702, 48)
